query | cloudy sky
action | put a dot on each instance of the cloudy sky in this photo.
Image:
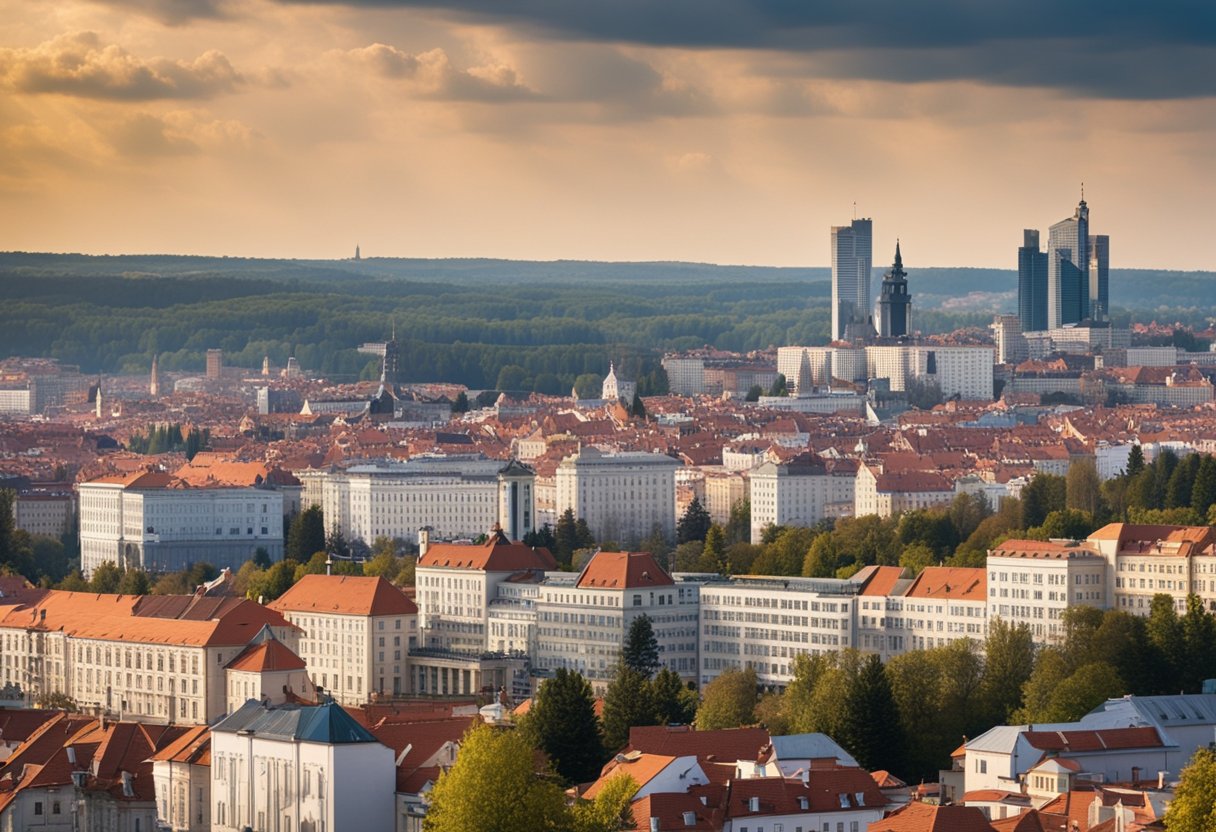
(710, 130)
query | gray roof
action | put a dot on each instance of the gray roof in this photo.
(1003, 738)
(810, 747)
(1161, 711)
(327, 723)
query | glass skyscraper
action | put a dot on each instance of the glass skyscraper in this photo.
(1068, 266)
(852, 259)
(1032, 283)
(1099, 277)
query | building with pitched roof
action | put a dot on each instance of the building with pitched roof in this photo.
(270, 672)
(623, 495)
(155, 658)
(181, 773)
(306, 767)
(356, 634)
(582, 620)
(161, 522)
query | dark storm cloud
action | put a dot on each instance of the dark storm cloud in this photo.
(1115, 49)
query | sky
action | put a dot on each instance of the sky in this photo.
(719, 131)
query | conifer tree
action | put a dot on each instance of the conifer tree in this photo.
(563, 722)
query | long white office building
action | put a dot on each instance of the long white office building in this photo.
(156, 522)
(456, 496)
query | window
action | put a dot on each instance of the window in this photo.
(37, 807)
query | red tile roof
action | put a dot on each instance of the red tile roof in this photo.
(729, 744)
(623, 570)
(927, 817)
(955, 583)
(1094, 740)
(269, 656)
(345, 595)
(497, 554)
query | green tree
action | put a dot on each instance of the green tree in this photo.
(1165, 633)
(105, 578)
(778, 388)
(1203, 492)
(583, 535)
(713, 553)
(273, 582)
(641, 649)
(134, 582)
(563, 724)
(754, 393)
(870, 724)
(1199, 645)
(1068, 524)
(306, 535)
(729, 701)
(1082, 487)
(739, 526)
(916, 557)
(1193, 808)
(1044, 494)
(674, 704)
(7, 526)
(1008, 663)
(565, 538)
(461, 403)
(628, 703)
(493, 785)
(609, 811)
(694, 524)
(56, 701)
(1135, 461)
(636, 408)
(74, 582)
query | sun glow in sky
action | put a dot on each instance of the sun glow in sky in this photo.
(708, 130)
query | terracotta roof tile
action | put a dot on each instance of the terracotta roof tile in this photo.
(345, 595)
(623, 570)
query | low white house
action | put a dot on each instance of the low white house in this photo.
(311, 768)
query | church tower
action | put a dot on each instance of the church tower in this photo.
(894, 304)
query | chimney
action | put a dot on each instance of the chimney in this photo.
(1136, 776)
(424, 540)
(1161, 779)
(654, 824)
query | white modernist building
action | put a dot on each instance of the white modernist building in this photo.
(456, 496)
(799, 493)
(622, 495)
(150, 521)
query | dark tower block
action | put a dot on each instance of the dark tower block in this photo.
(894, 304)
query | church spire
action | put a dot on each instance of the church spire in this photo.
(899, 260)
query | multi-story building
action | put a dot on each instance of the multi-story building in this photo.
(45, 509)
(215, 364)
(942, 604)
(151, 520)
(1068, 269)
(299, 767)
(181, 773)
(615, 389)
(624, 496)
(355, 634)
(888, 493)
(764, 623)
(963, 371)
(153, 658)
(1147, 560)
(723, 490)
(1011, 346)
(852, 259)
(800, 492)
(456, 496)
(1032, 283)
(582, 620)
(685, 374)
(1033, 582)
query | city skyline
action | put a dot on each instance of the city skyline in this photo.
(644, 132)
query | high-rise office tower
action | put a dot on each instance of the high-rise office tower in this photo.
(1099, 277)
(894, 304)
(215, 363)
(852, 259)
(1068, 269)
(1032, 283)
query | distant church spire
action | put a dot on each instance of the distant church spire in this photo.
(899, 260)
(357, 257)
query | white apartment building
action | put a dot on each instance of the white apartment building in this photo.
(941, 605)
(456, 496)
(723, 489)
(456, 583)
(1033, 582)
(963, 371)
(764, 623)
(355, 634)
(152, 658)
(299, 767)
(800, 492)
(583, 620)
(685, 375)
(885, 494)
(807, 368)
(1146, 560)
(622, 495)
(44, 511)
(181, 773)
(152, 521)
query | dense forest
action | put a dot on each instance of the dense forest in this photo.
(464, 321)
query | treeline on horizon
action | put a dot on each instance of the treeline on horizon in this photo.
(546, 324)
